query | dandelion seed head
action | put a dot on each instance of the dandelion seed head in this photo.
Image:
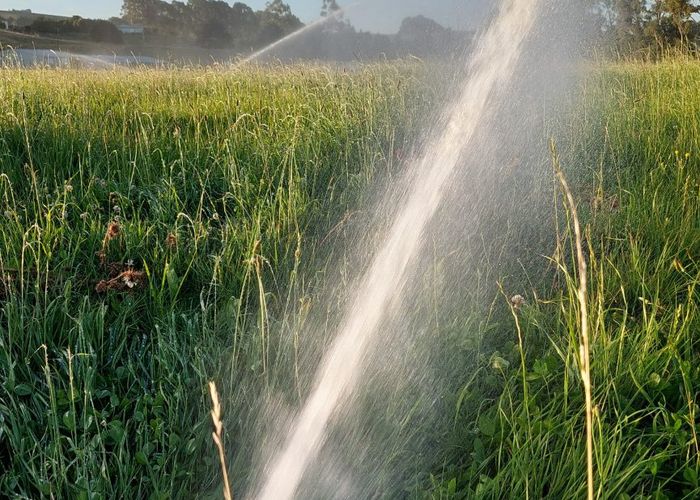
(517, 301)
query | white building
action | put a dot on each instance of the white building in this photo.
(130, 29)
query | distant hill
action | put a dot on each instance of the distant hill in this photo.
(24, 18)
(19, 40)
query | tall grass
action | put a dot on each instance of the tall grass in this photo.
(227, 191)
(634, 157)
(218, 188)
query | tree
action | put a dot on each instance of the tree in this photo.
(244, 24)
(278, 8)
(329, 7)
(242, 17)
(97, 30)
(681, 12)
(658, 25)
(141, 11)
(215, 23)
(212, 19)
(104, 31)
(420, 29)
(276, 21)
(629, 23)
(671, 21)
(213, 34)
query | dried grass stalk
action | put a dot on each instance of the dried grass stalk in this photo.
(218, 436)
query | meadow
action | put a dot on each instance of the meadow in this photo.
(164, 228)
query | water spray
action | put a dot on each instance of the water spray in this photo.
(492, 66)
(304, 29)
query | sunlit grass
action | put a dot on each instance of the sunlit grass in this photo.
(634, 151)
(229, 191)
(153, 227)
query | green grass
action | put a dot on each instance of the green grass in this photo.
(104, 395)
(634, 155)
(233, 192)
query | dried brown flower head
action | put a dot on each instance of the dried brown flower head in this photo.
(132, 278)
(124, 282)
(101, 256)
(102, 287)
(171, 241)
(112, 230)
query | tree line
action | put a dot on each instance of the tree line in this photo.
(626, 26)
(639, 24)
(94, 30)
(212, 23)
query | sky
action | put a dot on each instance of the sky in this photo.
(382, 16)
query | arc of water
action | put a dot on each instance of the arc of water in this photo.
(322, 20)
(492, 65)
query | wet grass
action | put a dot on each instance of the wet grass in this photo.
(161, 229)
(634, 155)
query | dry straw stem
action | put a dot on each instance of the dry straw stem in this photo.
(217, 435)
(584, 347)
(112, 232)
